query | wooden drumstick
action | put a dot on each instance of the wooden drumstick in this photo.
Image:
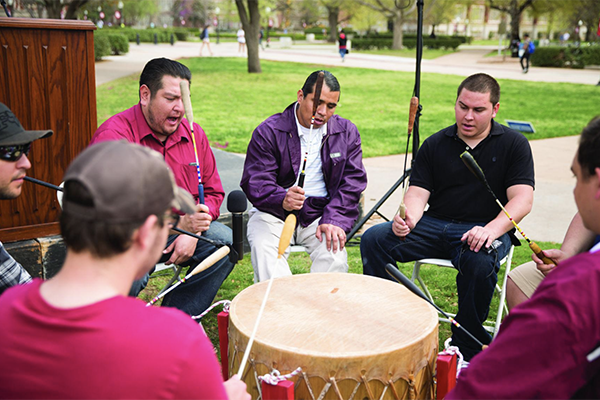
(414, 107)
(251, 340)
(286, 234)
(184, 85)
(205, 264)
(478, 172)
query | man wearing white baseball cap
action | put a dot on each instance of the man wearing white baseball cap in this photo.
(15, 143)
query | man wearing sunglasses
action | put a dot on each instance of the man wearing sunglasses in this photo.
(15, 143)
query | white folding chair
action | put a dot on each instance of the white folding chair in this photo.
(489, 325)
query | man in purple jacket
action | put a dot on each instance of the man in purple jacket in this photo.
(327, 204)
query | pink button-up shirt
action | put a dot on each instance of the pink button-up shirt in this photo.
(178, 151)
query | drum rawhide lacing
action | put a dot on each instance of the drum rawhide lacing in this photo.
(275, 376)
(225, 303)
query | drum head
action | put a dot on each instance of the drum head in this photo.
(342, 326)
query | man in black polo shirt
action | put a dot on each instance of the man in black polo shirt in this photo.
(463, 222)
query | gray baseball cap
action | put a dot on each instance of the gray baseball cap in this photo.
(127, 183)
(12, 132)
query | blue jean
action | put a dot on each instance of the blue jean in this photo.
(435, 238)
(196, 294)
(343, 53)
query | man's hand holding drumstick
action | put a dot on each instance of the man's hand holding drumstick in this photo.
(183, 247)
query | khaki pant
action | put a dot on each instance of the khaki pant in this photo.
(263, 234)
(527, 277)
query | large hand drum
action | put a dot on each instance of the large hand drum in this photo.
(354, 336)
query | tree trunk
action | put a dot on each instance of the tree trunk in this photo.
(251, 30)
(515, 17)
(332, 17)
(53, 8)
(398, 34)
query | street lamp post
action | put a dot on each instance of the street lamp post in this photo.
(217, 11)
(120, 6)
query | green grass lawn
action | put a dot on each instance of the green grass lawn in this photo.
(428, 54)
(229, 103)
(440, 281)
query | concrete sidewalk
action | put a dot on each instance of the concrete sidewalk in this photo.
(553, 206)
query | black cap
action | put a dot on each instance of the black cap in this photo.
(12, 132)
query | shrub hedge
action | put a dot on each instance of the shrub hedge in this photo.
(566, 57)
(101, 47)
(118, 44)
(411, 43)
(390, 35)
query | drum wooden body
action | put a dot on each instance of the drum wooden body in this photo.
(354, 336)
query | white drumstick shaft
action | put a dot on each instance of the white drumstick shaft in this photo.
(205, 264)
(249, 346)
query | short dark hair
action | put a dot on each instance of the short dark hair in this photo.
(481, 83)
(588, 153)
(330, 80)
(157, 68)
(100, 238)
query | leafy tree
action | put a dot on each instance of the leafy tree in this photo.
(437, 12)
(394, 10)
(338, 12)
(54, 8)
(514, 8)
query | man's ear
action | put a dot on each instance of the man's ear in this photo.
(300, 96)
(144, 236)
(145, 95)
(495, 109)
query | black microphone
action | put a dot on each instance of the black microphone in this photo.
(236, 205)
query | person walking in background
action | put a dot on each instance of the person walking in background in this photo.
(205, 40)
(342, 44)
(261, 35)
(241, 38)
(525, 50)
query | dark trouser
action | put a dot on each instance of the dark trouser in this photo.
(196, 294)
(435, 238)
(526, 58)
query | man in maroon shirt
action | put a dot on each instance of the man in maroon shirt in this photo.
(158, 122)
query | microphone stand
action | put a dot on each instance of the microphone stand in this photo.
(415, 132)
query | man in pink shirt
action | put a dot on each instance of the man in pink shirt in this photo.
(158, 122)
(78, 335)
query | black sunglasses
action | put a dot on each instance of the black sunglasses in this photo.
(171, 218)
(14, 153)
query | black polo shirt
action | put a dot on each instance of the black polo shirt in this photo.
(456, 194)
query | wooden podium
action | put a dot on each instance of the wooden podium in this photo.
(47, 78)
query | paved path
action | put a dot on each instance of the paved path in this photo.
(553, 205)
